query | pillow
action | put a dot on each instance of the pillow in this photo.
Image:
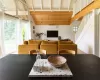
(26, 42)
(49, 42)
(34, 41)
(66, 42)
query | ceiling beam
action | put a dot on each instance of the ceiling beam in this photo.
(50, 10)
(60, 4)
(33, 5)
(95, 4)
(41, 4)
(50, 13)
(19, 12)
(51, 5)
(23, 3)
(16, 4)
(69, 2)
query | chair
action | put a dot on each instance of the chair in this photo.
(32, 52)
(68, 47)
(51, 47)
(65, 51)
(42, 51)
(24, 49)
(26, 42)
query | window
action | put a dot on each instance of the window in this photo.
(10, 39)
(25, 30)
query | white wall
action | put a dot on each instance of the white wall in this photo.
(97, 32)
(32, 23)
(84, 38)
(64, 31)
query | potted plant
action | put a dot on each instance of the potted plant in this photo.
(39, 35)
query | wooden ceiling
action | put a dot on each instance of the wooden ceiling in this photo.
(51, 18)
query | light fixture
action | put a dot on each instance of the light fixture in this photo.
(75, 29)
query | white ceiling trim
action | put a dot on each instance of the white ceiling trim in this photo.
(19, 12)
(69, 2)
(51, 5)
(51, 10)
(60, 5)
(45, 5)
(41, 4)
(23, 3)
(33, 5)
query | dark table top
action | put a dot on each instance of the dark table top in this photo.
(17, 67)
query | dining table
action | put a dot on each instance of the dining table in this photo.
(18, 67)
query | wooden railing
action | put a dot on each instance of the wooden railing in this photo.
(80, 4)
(82, 9)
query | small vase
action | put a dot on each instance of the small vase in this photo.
(38, 55)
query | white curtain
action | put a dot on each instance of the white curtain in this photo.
(19, 32)
(28, 30)
(19, 26)
(10, 44)
(25, 25)
(2, 51)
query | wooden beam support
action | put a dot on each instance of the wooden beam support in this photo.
(41, 4)
(50, 13)
(51, 5)
(38, 9)
(17, 12)
(33, 5)
(60, 4)
(69, 2)
(95, 4)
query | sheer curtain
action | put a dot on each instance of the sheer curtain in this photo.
(18, 24)
(2, 51)
(10, 33)
(26, 29)
(19, 32)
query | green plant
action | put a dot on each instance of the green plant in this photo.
(39, 35)
(23, 33)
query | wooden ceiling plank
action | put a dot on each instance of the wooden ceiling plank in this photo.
(48, 12)
(52, 23)
(49, 19)
(55, 18)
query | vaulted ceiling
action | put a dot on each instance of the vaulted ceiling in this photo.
(56, 11)
(43, 12)
(51, 12)
(50, 5)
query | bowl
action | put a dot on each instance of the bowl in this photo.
(56, 60)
